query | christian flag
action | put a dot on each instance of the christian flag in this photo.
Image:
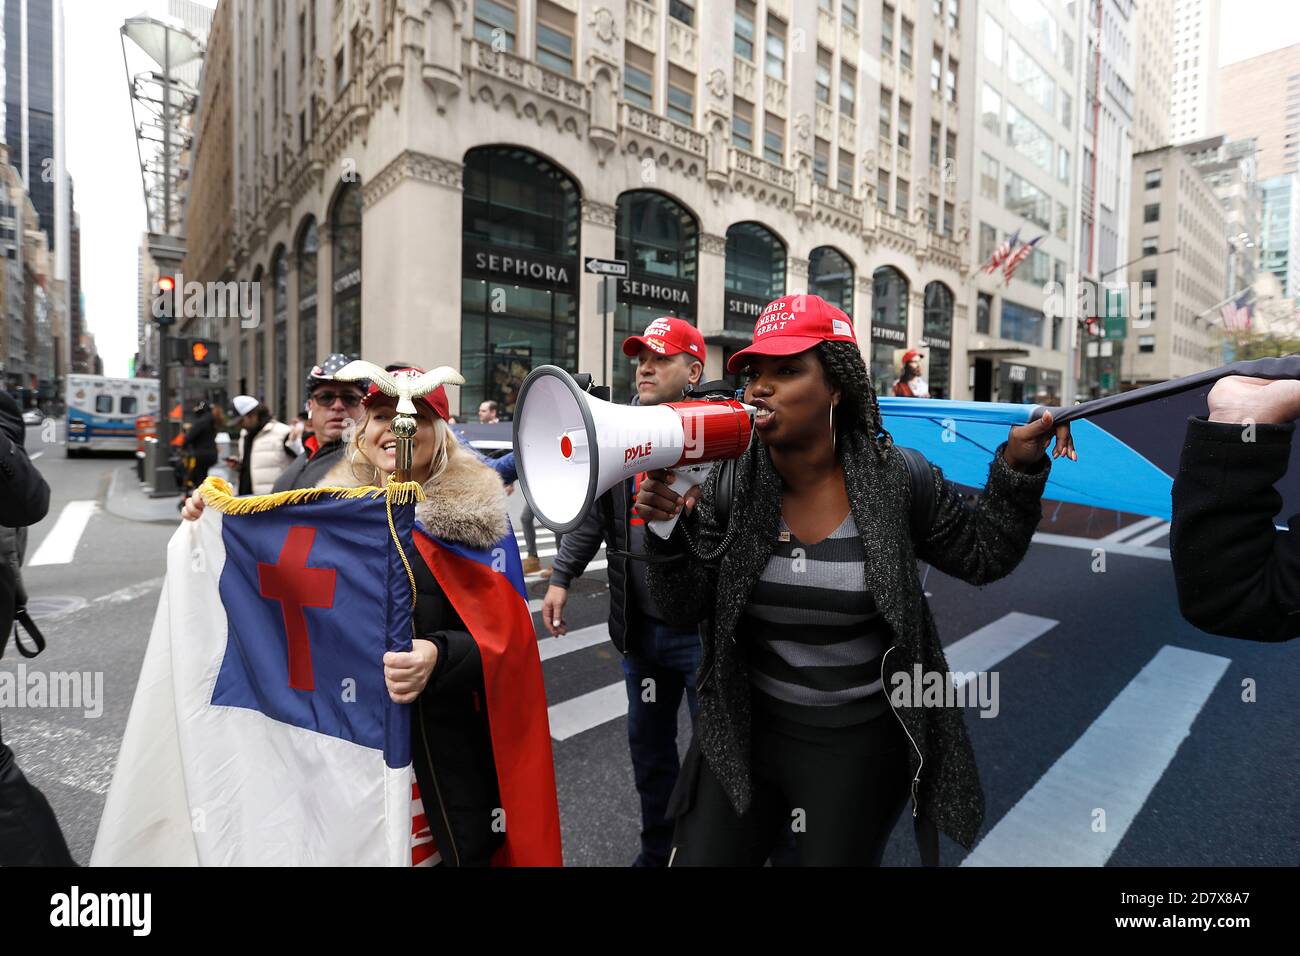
(262, 732)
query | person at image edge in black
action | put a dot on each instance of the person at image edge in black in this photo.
(817, 602)
(29, 833)
(1237, 574)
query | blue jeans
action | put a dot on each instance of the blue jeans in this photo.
(669, 658)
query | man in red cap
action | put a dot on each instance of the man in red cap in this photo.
(659, 661)
(910, 383)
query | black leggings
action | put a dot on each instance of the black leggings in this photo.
(840, 789)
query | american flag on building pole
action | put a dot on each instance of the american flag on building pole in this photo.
(1236, 313)
(1017, 257)
(1001, 252)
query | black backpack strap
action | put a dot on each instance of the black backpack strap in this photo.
(23, 620)
(921, 479)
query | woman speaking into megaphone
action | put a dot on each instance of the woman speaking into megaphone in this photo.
(814, 617)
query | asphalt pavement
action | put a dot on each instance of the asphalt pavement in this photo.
(1117, 734)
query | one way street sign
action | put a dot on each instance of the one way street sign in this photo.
(605, 267)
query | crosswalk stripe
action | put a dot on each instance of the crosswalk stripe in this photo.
(60, 544)
(984, 649)
(1092, 544)
(553, 647)
(1124, 533)
(594, 566)
(572, 717)
(1146, 537)
(1113, 768)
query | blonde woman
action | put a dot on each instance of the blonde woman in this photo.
(457, 674)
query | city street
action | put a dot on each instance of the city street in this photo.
(1121, 735)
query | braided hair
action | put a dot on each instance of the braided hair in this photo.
(858, 411)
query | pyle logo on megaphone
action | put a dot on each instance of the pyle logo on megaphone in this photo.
(570, 448)
(637, 452)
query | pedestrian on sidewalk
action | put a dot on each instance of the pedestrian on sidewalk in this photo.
(29, 831)
(200, 444)
(659, 659)
(263, 446)
(910, 384)
(808, 599)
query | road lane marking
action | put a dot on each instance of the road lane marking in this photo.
(573, 717)
(1094, 544)
(984, 649)
(1146, 537)
(36, 454)
(552, 647)
(1113, 766)
(60, 545)
(1124, 533)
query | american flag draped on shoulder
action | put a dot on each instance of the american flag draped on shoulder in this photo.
(262, 732)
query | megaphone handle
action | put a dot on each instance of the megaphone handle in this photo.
(694, 475)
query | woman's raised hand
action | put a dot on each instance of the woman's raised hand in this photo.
(655, 501)
(1026, 443)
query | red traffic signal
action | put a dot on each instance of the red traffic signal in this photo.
(166, 284)
(201, 353)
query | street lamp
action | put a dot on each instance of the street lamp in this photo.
(1100, 335)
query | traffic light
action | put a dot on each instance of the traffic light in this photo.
(163, 301)
(200, 353)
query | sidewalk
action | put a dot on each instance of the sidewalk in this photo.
(127, 499)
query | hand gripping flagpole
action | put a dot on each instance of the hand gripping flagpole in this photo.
(404, 386)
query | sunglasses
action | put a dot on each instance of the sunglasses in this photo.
(326, 399)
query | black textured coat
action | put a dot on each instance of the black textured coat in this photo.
(977, 544)
(1237, 575)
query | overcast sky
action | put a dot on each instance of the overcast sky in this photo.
(102, 153)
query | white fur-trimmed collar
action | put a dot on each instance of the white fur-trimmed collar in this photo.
(466, 503)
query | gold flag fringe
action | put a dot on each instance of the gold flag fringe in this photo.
(218, 494)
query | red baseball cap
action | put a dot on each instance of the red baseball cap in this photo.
(435, 400)
(667, 336)
(912, 355)
(794, 324)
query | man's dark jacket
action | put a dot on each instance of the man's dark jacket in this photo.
(24, 495)
(977, 544)
(307, 470)
(609, 521)
(29, 832)
(1237, 574)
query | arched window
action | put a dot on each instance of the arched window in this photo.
(755, 273)
(936, 333)
(280, 318)
(308, 270)
(830, 275)
(345, 233)
(519, 274)
(659, 237)
(889, 291)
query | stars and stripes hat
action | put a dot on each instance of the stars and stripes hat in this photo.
(324, 372)
(667, 336)
(794, 324)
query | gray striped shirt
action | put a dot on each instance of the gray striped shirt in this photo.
(815, 636)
